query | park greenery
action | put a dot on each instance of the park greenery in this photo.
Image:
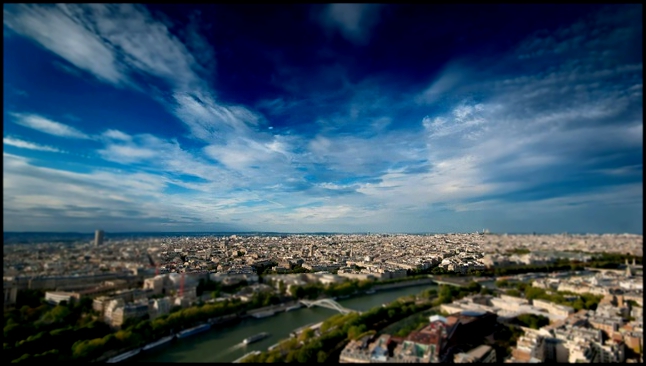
(576, 301)
(505, 337)
(217, 288)
(533, 321)
(73, 332)
(412, 323)
(45, 333)
(613, 260)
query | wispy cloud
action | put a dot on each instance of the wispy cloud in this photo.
(480, 138)
(100, 198)
(55, 30)
(116, 135)
(47, 126)
(354, 21)
(27, 145)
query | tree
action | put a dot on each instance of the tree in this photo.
(291, 356)
(513, 292)
(473, 286)
(22, 358)
(533, 321)
(392, 313)
(321, 357)
(355, 331)
(438, 271)
(307, 334)
(305, 354)
(502, 283)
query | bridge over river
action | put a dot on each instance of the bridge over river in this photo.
(330, 304)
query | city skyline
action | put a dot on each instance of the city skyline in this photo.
(323, 118)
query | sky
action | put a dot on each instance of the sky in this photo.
(323, 118)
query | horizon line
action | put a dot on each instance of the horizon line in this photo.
(318, 232)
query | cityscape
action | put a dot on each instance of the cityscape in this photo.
(323, 183)
(589, 300)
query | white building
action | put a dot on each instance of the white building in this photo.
(56, 297)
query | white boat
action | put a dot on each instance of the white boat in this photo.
(255, 338)
(294, 307)
(194, 330)
(124, 356)
(263, 314)
(370, 292)
(158, 343)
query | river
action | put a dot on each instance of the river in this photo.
(224, 344)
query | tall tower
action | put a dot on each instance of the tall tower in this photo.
(98, 237)
(312, 250)
(351, 253)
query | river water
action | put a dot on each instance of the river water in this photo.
(225, 344)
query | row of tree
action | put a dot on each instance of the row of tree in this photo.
(48, 332)
(527, 291)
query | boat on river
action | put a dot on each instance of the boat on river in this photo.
(263, 314)
(294, 307)
(124, 356)
(255, 338)
(195, 330)
(158, 343)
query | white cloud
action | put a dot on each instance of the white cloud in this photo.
(27, 145)
(121, 201)
(56, 31)
(47, 126)
(465, 118)
(355, 21)
(623, 171)
(117, 135)
(167, 157)
(449, 78)
(210, 121)
(146, 44)
(127, 154)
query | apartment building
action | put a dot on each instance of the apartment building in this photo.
(56, 297)
(480, 354)
(129, 311)
(552, 308)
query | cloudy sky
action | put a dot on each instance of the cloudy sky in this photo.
(342, 117)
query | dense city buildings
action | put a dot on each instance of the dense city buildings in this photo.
(379, 256)
(146, 278)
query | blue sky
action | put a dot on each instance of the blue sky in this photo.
(337, 117)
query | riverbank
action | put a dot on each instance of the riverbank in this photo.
(391, 286)
(271, 308)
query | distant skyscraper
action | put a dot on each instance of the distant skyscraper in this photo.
(98, 237)
(311, 250)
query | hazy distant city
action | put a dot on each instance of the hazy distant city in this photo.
(382, 255)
